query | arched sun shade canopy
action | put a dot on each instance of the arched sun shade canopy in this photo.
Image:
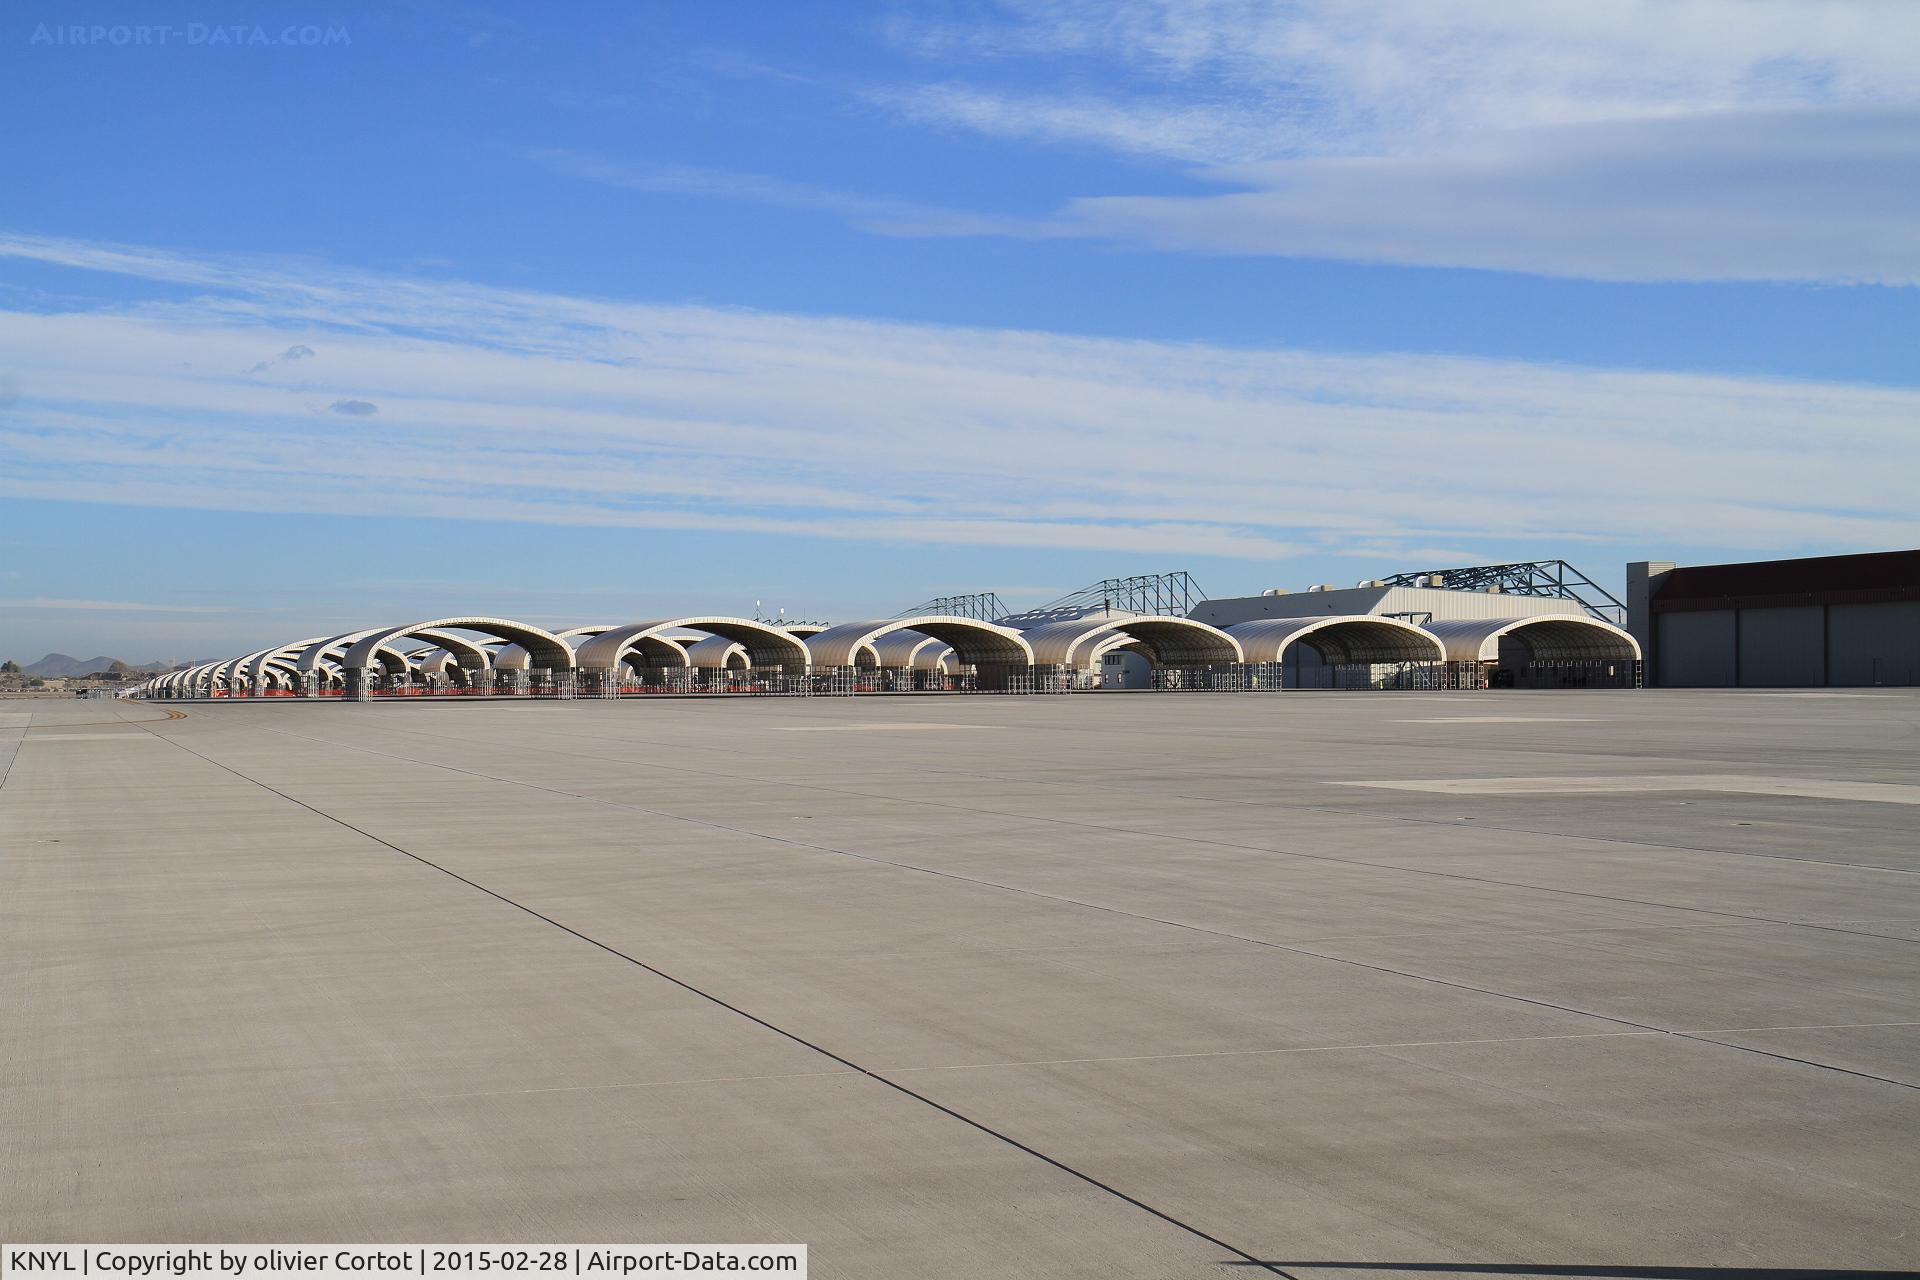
(467, 653)
(194, 679)
(433, 662)
(766, 644)
(264, 671)
(1338, 638)
(975, 643)
(334, 649)
(643, 651)
(717, 653)
(803, 630)
(548, 651)
(514, 657)
(909, 651)
(288, 654)
(1164, 640)
(1548, 639)
(237, 671)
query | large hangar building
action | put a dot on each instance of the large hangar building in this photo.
(1841, 621)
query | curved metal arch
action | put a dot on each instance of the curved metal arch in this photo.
(547, 651)
(514, 657)
(262, 675)
(653, 651)
(906, 650)
(1162, 639)
(646, 651)
(717, 653)
(433, 662)
(767, 646)
(309, 657)
(468, 653)
(976, 643)
(265, 670)
(288, 653)
(1339, 638)
(200, 679)
(229, 671)
(334, 648)
(1552, 638)
(282, 675)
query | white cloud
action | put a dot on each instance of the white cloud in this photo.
(1631, 140)
(1813, 196)
(105, 606)
(1374, 76)
(510, 405)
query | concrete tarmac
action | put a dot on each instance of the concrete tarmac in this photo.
(1100, 985)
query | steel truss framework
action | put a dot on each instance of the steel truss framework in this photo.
(984, 606)
(1159, 593)
(1552, 578)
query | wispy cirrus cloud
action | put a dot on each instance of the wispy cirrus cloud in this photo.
(1642, 140)
(883, 214)
(1279, 78)
(1824, 197)
(105, 606)
(516, 405)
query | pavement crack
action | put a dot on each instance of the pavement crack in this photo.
(1247, 1257)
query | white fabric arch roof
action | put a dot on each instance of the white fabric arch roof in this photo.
(910, 651)
(717, 653)
(335, 648)
(976, 643)
(468, 653)
(766, 645)
(1338, 638)
(288, 653)
(1164, 640)
(1549, 639)
(547, 651)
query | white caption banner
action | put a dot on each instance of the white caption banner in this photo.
(249, 1261)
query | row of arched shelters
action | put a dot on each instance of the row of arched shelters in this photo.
(704, 653)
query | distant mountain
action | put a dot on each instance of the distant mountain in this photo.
(59, 664)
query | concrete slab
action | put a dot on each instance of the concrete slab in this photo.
(1640, 1151)
(1748, 784)
(1162, 1001)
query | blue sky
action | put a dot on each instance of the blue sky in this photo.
(355, 313)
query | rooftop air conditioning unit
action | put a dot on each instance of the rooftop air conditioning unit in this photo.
(1319, 586)
(1274, 591)
(1437, 580)
(1494, 589)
